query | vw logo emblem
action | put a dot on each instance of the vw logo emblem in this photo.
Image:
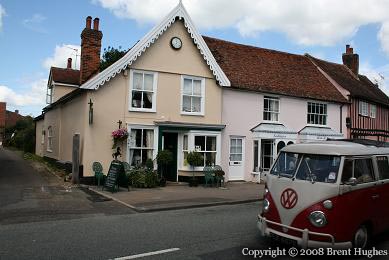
(289, 198)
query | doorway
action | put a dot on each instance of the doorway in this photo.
(169, 142)
(267, 155)
(236, 159)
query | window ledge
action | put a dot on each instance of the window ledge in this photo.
(48, 150)
(314, 125)
(143, 110)
(191, 114)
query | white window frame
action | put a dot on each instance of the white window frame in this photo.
(49, 94)
(202, 152)
(277, 113)
(363, 108)
(50, 139)
(325, 115)
(202, 103)
(191, 147)
(154, 99)
(373, 112)
(142, 127)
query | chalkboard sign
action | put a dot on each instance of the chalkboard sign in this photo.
(115, 169)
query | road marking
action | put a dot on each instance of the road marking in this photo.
(148, 254)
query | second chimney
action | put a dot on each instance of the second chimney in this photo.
(90, 49)
(351, 60)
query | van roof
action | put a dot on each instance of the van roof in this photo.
(344, 147)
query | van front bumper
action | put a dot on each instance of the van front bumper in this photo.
(302, 241)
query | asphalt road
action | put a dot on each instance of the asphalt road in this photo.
(78, 225)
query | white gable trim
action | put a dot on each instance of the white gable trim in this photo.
(140, 47)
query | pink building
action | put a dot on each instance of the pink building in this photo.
(275, 99)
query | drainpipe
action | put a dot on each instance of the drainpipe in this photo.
(341, 115)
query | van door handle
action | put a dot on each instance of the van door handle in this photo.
(375, 196)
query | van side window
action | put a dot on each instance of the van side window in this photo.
(383, 167)
(347, 170)
(363, 170)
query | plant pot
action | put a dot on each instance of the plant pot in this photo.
(162, 182)
(193, 182)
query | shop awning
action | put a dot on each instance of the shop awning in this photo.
(318, 133)
(273, 130)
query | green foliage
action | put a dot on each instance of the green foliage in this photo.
(164, 157)
(143, 178)
(149, 164)
(23, 135)
(195, 159)
(110, 56)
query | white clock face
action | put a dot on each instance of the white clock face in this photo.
(176, 43)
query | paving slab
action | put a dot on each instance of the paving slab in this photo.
(175, 196)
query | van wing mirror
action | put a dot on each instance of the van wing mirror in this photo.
(352, 181)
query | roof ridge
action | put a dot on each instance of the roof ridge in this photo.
(253, 46)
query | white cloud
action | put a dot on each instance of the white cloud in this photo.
(306, 22)
(61, 55)
(383, 37)
(33, 95)
(2, 14)
(378, 75)
(35, 23)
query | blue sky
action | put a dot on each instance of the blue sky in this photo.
(37, 34)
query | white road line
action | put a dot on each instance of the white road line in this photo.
(148, 254)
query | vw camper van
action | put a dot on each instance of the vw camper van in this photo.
(328, 194)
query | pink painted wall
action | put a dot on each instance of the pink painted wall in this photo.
(243, 110)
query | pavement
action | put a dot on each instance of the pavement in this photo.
(181, 196)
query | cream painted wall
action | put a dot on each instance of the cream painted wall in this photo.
(111, 101)
(244, 110)
(60, 91)
(73, 115)
(53, 119)
(39, 127)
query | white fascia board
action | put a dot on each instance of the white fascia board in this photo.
(140, 47)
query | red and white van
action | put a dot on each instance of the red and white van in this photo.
(328, 194)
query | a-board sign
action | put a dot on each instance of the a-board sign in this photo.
(115, 169)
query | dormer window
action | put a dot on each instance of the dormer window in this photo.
(49, 95)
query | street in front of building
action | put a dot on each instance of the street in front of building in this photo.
(42, 219)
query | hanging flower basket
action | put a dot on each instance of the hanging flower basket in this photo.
(119, 136)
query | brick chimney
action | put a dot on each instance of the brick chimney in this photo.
(351, 60)
(2, 114)
(17, 111)
(69, 63)
(90, 49)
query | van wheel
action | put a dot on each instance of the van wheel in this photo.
(361, 237)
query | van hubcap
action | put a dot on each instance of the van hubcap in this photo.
(360, 239)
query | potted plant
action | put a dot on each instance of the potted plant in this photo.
(194, 159)
(164, 158)
(119, 135)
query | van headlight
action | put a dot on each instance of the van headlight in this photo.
(266, 205)
(318, 219)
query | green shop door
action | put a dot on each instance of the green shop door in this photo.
(170, 143)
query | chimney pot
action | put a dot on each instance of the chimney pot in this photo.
(96, 24)
(17, 111)
(69, 63)
(349, 50)
(88, 22)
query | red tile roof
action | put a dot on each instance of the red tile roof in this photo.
(66, 76)
(263, 70)
(360, 87)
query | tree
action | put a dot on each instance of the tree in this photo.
(110, 56)
(22, 135)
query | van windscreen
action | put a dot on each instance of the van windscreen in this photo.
(310, 167)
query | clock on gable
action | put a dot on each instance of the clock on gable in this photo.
(176, 43)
